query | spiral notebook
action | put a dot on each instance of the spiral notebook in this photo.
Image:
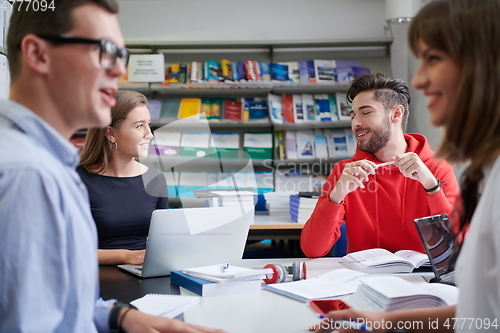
(164, 305)
(217, 273)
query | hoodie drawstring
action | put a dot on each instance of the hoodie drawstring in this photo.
(403, 195)
(376, 210)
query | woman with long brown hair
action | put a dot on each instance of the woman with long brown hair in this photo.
(123, 192)
(457, 44)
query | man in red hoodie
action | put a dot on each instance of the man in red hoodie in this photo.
(380, 202)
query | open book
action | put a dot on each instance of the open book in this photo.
(217, 273)
(389, 293)
(165, 305)
(381, 261)
(330, 285)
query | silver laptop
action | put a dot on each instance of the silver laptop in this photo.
(438, 240)
(193, 237)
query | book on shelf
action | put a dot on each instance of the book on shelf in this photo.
(351, 141)
(390, 293)
(256, 70)
(345, 70)
(308, 107)
(220, 274)
(324, 71)
(195, 144)
(164, 305)
(190, 182)
(359, 71)
(331, 285)
(382, 261)
(287, 104)
(205, 108)
(189, 107)
(279, 143)
(298, 111)
(242, 76)
(250, 74)
(173, 76)
(234, 69)
(305, 144)
(166, 143)
(336, 142)
(183, 73)
(258, 145)
(232, 110)
(264, 70)
(320, 144)
(204, 287)
(291, 145)
(212, 71)
(196, 74)
(293, 72)
(263, 181)
(170, 108)
(279, 72)
(334, 113)
(154, 108)
(311, 71)
(215, 113)
(322, 107)
(255, 110)
(275, 105)
(343, 108)
(227, 145)
(172, 179)
(226, 69)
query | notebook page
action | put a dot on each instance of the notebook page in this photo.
(165, 305)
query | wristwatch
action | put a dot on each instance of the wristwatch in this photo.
(113, 324)
(432, 189)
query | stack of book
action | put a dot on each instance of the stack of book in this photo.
(301, 207)
(278, 203)
(216, 280)
(389, 293)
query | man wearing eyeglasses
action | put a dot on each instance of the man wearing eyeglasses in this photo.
(64, 67)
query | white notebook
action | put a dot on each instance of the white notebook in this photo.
(164, 305)
(216, 273)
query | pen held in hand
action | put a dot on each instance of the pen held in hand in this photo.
(384, 164)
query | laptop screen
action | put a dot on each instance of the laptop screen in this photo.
(438, 239)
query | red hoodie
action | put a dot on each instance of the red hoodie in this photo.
(380, 215)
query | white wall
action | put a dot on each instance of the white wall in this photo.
(403, 65)
(243, 20)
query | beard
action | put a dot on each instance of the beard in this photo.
(380, 138)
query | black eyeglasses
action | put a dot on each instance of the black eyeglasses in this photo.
(109, 51)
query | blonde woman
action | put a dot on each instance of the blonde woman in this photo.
(123, 192)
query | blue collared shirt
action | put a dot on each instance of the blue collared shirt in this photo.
(48, 240)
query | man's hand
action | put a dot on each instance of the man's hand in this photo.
(352, 177)
(139, 322)
(411, 166)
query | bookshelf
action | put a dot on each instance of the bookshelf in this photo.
(372, 53)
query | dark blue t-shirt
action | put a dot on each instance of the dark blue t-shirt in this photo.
(122, 206)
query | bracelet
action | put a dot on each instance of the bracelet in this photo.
(114, 325)
(432, 189)
(120, 328)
